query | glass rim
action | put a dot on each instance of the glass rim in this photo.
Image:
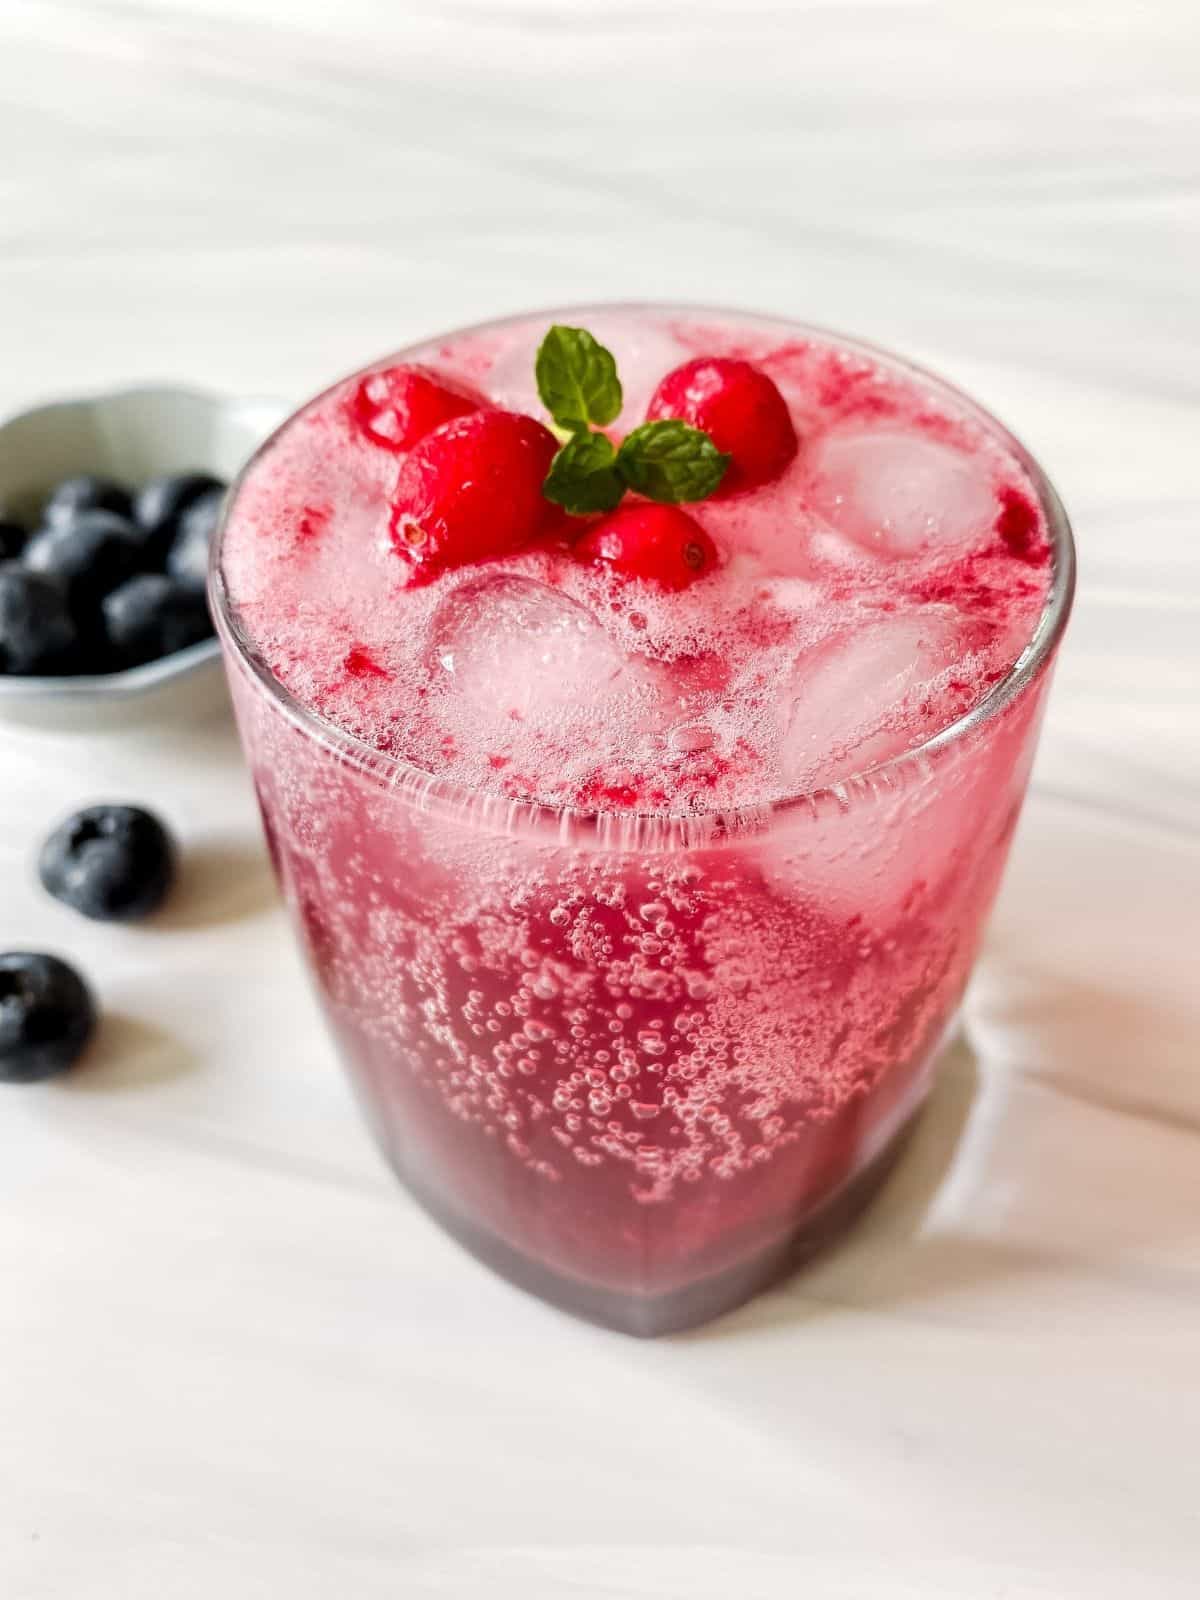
(657, 830)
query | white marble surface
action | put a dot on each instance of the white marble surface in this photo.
(233, 1359)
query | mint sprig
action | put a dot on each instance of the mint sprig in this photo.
(583, 475)
(669, 460)
(577, 379)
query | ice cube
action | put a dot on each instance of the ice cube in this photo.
(515, 649)
(876, 858)
(863, 696)
(894, 493)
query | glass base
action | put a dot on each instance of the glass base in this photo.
(648, 1316)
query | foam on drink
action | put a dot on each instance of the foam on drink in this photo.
(864, 600)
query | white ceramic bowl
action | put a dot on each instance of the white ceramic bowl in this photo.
(130, 435)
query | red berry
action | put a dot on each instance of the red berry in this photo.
(400, 405)
(471, 489)
(661, 544)
(739, 408)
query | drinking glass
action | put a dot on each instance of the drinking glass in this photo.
(639, 1065)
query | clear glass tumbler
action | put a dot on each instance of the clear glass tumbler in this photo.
(641, 1066)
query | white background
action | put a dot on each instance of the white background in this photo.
(234, 1361)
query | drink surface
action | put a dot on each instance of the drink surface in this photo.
(863, 600)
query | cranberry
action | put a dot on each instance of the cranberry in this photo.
(740, 409)
(659, 543)
(400, 405)
(472, 489)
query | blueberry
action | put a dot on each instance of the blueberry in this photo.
(151, 616)
(12, 539)
(187, 559)
(46, 1016)
(161, 502)
(112, 863)
(89, 557)
(84, 493)
(37, 633)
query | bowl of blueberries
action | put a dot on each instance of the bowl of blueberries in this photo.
(107, 508)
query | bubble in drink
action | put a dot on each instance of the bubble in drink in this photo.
(895, 493)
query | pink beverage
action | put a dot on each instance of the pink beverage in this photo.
(641, 870)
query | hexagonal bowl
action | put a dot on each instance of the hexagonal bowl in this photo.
(131, 435)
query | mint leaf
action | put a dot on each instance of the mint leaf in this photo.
(583, 476)
(577, 379)
(671, 461)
